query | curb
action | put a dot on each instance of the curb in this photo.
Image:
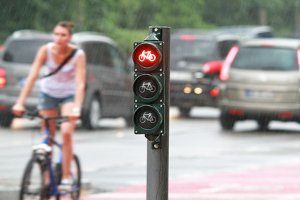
(12, 193)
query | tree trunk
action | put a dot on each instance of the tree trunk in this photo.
(263, 16)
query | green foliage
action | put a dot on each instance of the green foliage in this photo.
(126, 38)
(279, 13)
(180, 14)
(127, 21)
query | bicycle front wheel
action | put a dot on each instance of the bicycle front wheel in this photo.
(33, 183)
(76, 178)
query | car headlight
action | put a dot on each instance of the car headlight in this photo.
(187, 89)
(198, 90)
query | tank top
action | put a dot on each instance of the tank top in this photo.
(62, 84)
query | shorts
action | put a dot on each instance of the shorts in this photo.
(48, 102)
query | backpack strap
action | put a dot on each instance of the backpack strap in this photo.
(61, 65)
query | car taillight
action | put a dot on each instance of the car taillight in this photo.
(188, 37)
(224, 75)
(236, 112)
(266, 45)
(285, 115)
(215, 92)
(2, 78)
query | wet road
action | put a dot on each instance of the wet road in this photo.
(113, 158)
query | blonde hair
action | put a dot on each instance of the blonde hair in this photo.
(66, 24)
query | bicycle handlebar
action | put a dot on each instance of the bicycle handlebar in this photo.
(31, 114)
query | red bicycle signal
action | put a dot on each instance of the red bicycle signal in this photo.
(147, 56)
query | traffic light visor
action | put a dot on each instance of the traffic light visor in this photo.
(148, 118)
(147, 56)
(147, 87)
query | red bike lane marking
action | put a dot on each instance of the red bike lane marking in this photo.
(276, 182)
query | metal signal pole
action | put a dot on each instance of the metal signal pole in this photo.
(158, 154)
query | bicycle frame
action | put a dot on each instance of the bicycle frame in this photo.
(42, 156)
(49, 140)
(53, 186)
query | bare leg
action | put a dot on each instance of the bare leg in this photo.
(67, 129)
(52, 123)
(52, 129)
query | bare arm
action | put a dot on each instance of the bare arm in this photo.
(31, 78)
(80, 81)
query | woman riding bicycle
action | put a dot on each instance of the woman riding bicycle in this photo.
(61, 91)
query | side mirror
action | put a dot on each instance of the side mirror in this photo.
(212, 67)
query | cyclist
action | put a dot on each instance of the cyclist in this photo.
(62, 92)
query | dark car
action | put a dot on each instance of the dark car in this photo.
(108, 91)
(191, 50)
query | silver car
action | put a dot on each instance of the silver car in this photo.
(261, 81)
(109, 81)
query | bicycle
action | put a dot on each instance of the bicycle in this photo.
(147, 117)
(41, 167)
(147, 86)
(147, 55)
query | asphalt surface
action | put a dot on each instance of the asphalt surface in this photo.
(205, 162)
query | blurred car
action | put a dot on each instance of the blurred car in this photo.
(261, 81)
(108, 91)
(247, 31)
(192, 83)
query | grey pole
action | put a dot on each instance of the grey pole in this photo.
(158, 159)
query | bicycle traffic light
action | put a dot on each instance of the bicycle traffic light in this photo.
(151, 79)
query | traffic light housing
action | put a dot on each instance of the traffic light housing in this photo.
(151, 85)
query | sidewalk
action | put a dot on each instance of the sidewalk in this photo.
(269, 183)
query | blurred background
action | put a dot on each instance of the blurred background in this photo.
(127, 21)
(235, 95)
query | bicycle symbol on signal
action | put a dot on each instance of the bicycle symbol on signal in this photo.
(147, 55)
(147, 86)
(147, 117)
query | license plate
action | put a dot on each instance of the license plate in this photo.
(258, 94)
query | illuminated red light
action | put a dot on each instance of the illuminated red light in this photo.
(267, 45)
(3, 107)
(2, 72)
(2, 78)
(285, 115)
(236, 112)
(188, 37)
(215, 92)
(147, 56)
(2, 82)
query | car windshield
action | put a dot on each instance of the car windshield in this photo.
(193, 50)
(22, 51)
(266, 58)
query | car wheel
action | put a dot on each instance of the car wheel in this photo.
(184, 112)
(226, 121)
(263, 124)
(6, 120)
(92, 115)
